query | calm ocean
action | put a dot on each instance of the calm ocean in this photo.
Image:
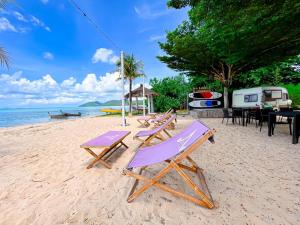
(21, 116)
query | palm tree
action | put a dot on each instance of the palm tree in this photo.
(132, 69)
(4, 59)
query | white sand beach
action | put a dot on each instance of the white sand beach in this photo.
(253, 178)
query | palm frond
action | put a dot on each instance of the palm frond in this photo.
(4, 58)
(132, 67)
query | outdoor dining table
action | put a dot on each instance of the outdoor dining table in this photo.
(295, 115)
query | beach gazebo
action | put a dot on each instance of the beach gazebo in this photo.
(138, 93)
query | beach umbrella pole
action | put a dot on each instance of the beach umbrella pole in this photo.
(144, 111)
(123, 90)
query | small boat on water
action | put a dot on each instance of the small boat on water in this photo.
(108, 110)
(63, 115)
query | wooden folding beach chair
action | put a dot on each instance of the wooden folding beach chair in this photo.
(145, 120)
(161, 119)
(155, 133)
(173, 151)
(109, 142)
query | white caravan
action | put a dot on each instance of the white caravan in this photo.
(261, 97)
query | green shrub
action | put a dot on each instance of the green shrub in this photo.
(172, 92)
(294, 93)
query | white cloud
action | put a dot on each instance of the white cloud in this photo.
(20, 16)
(48, 56)
(57, 100)
(46, 90)
(156, 37)
(146, 12)
(5, 25)
(37, 22)
(68, 82)
(45, 1)
(104, 55)
(18, 85)
(104, 84)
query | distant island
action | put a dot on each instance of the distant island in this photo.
(108, 103)
(91, 104)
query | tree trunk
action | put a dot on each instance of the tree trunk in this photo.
(130, 97)
(226, 102)
(224, 73)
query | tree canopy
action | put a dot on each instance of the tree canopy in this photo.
(172, 92)
(225, 38)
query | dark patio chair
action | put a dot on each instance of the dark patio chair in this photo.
(264, 116)
(252, 115)
(237, 114)
(226, 115)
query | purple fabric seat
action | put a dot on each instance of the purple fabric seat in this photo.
(106, 140)
(144, 118)
(144, 133)
(158, 119)
(158, 153)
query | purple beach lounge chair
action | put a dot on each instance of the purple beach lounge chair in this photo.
(173, 151)
(161, 119)
(154, 133)
(144, 120)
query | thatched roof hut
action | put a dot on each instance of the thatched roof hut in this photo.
(138, 92)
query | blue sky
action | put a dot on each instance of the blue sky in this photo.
(58, 57)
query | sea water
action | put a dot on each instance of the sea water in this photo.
(20, 116)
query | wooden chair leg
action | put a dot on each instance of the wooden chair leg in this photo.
(98, 158)
(193, 186)
(204, 199)
(136, 182)
(167, 133)
(164, 188)
(124, 144)
(148, 183)
(107, 165)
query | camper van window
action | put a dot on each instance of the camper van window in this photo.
(285, 96)
(272, 95)
(251, 98)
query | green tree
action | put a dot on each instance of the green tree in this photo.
(286, 72)
(132, 69)
(4, 59)
(294, 94)
(225, 38)
(172, 92)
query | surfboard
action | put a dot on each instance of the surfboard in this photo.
(205, 95)
(204, 103)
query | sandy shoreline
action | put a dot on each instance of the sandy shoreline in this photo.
(253, 178)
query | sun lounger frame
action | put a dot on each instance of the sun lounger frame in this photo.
(158, 135)
(203, 193)
(144, 122)
(106, 152)
(163, 118)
